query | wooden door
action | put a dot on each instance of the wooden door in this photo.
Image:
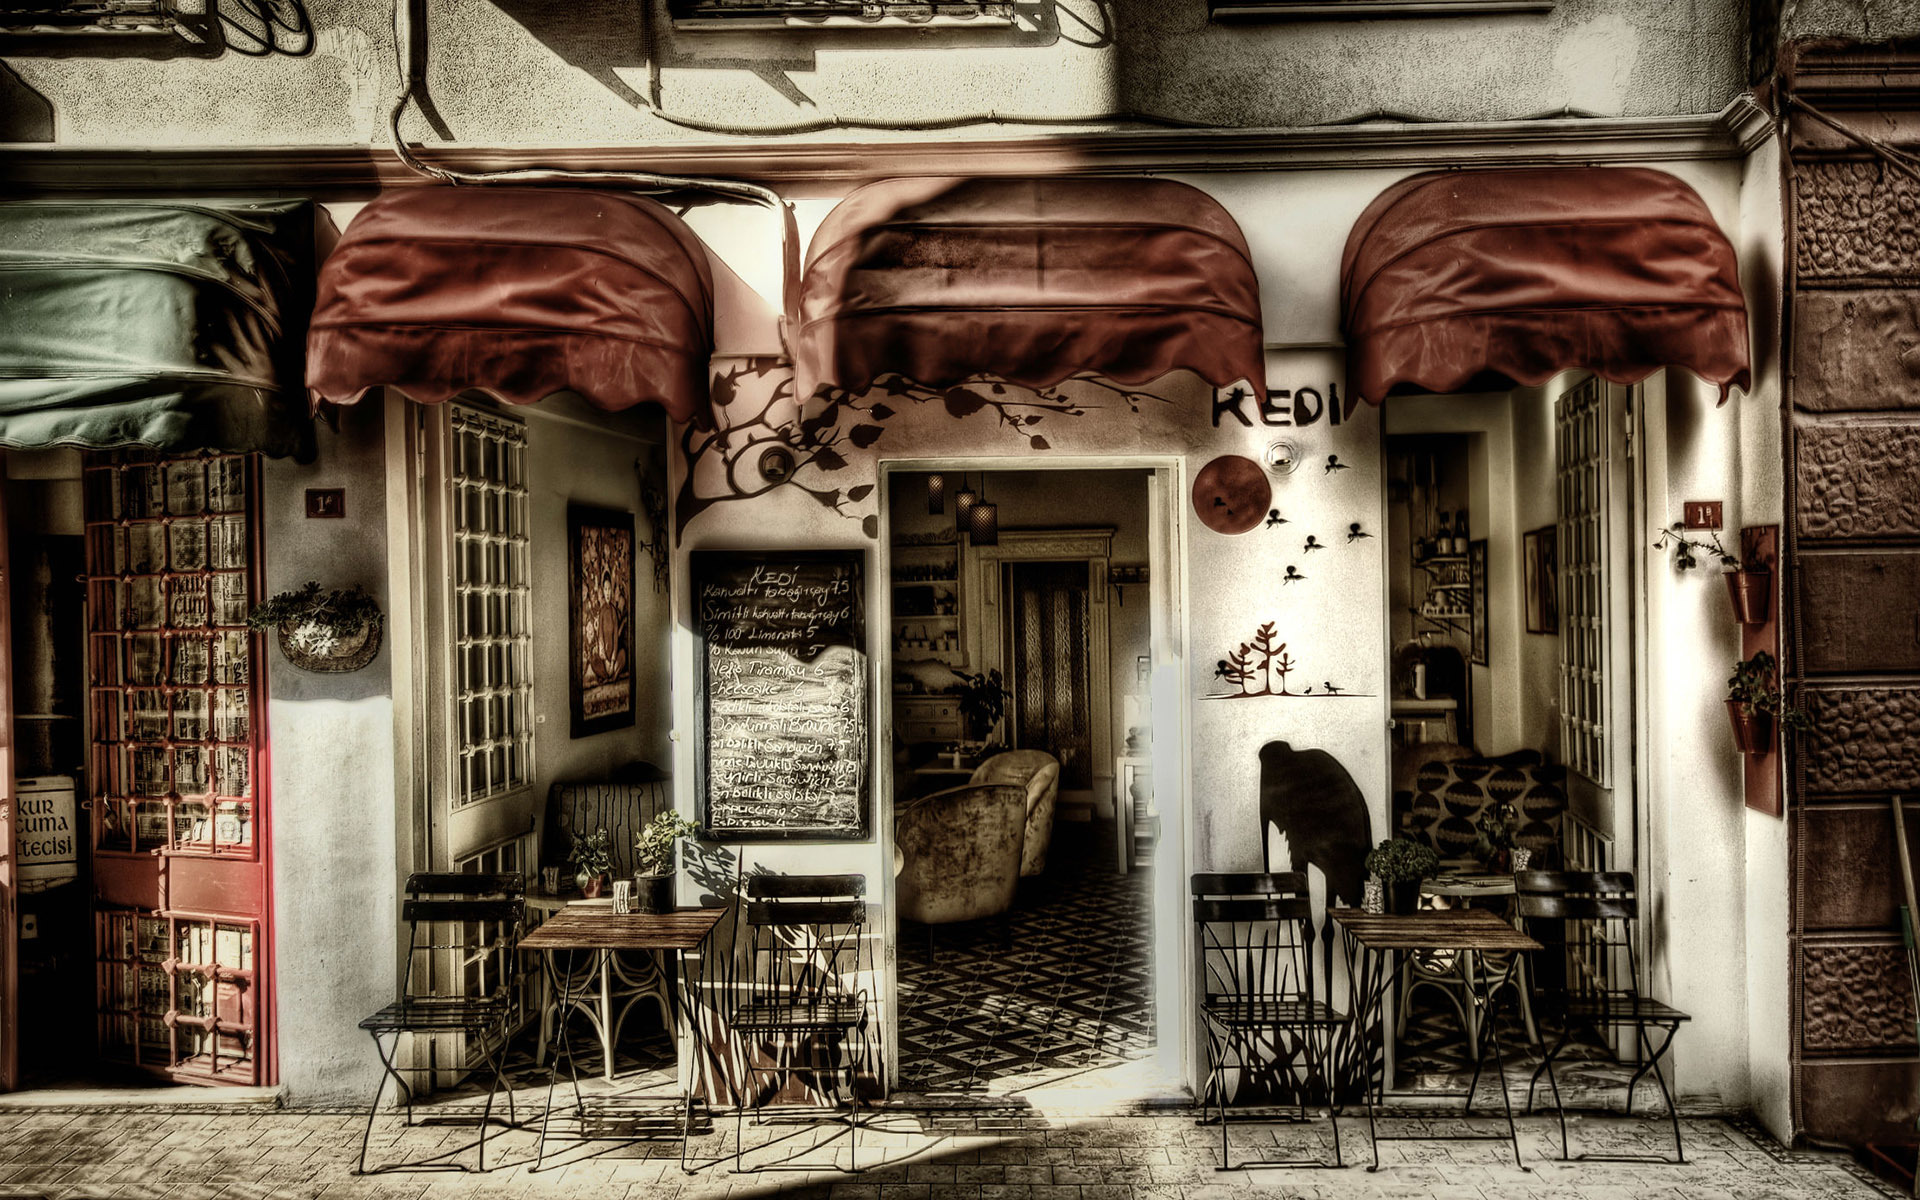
(176, 757)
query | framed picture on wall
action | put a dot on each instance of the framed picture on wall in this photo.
(1477, 598)
(1540, 565)
(599, 619)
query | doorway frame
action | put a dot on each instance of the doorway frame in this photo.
(1173, 1069)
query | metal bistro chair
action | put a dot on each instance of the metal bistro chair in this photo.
(1255, 933)
(441, 910)
(1609, 901)
(803, 1008)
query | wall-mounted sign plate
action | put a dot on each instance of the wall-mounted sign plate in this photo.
(1701, 514)
(326, 502)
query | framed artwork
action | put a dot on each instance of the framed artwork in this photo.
(1540, 565)
(599, 619)
(1477, 598)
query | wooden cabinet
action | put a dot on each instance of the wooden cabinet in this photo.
(924, 718)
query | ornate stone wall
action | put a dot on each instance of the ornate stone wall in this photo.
(1853, 385)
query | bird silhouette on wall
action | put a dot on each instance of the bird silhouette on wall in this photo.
(1292, 574)
(1355, 533)
(1313, 544)
(1274, 519)
(1331, 689)
(1312, 800)
(1334, 464)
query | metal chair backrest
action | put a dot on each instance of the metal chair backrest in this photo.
(462, 934)
(1601, 906)
(1256, 935)
(806, 936)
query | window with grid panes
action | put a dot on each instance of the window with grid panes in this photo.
(174, 743)
(491, 605)
(1581, 470)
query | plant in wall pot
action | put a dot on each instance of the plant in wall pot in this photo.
(1747, 587)
(654, 860)
(1400, 864)
(1755, 703)
(331, 630)
(592, 857)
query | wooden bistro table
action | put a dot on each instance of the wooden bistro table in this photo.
(1373, 942)
(598, 930)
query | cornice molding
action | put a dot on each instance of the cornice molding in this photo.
(828, 168)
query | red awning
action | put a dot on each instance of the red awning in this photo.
(518, 293)
(1029, 280)
(1467, 280)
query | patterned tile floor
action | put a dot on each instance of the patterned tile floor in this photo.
(1066, 994)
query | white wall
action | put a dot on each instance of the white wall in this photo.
(528, 72)
(1761, 502)
(335, 820)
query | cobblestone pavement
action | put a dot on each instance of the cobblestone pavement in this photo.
(1014, 1154)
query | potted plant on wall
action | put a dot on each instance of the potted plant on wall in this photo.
(1400, 864)
(654, 860)
(1755, 704)
(1748, 587)
(331, 630)
(592, 857)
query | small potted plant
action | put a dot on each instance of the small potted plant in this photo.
(323, 630)
(1755, 704)
(983, 699)
(592, 857)
(1747, 587)
(654, 860)
(1400, 864)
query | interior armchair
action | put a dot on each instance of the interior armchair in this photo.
(1039, 773)
(959, 854)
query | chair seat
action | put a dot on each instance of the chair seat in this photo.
(1623, 1010)
(435, 1013)
(1260, 1012)
(784, 1015)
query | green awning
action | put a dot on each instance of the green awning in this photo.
(172, 325)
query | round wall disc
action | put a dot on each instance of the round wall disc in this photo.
(1231, 494)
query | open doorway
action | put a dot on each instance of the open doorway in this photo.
(1024, 826)
(1512, 593)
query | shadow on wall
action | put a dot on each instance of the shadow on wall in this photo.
(604, 37)
(25, 115)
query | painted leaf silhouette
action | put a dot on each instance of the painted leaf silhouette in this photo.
(828, 460)
(964, 402)
(880, 412)
(859, 493)
(865, 435)
(870, 525)
(1038, 442)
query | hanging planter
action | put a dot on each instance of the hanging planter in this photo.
(1751, 590)
(1755, 705)
(1752, 730)
(323, 631)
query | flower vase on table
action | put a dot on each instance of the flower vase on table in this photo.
(590, 885)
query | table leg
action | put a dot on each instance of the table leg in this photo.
(606, 1012)
(1490, 1024)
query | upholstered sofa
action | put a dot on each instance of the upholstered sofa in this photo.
(1039, 773)
(959, 852)
(1451, 796)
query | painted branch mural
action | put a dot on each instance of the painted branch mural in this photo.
(787, 442)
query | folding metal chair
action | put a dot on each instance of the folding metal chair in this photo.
(1607, 903)
(1256, 937)
(471, 924)
(803, 1008)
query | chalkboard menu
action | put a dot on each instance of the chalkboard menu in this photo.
(783, 680)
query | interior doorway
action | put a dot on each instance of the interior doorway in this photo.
(1022, 656)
